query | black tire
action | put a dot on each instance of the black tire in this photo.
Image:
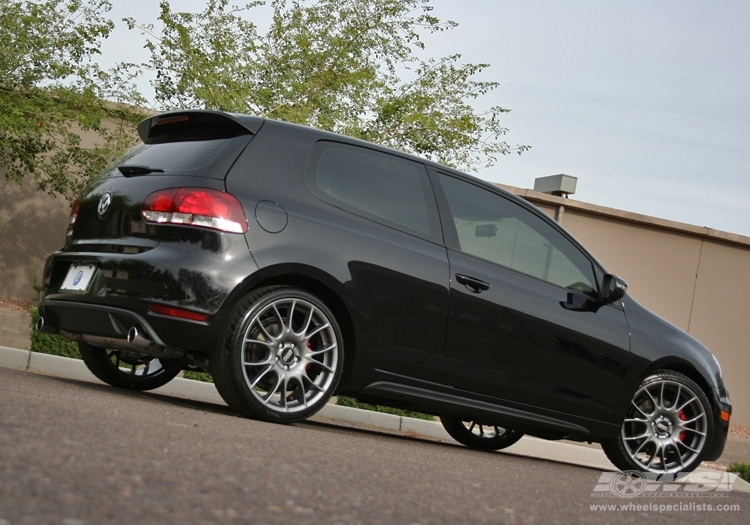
(281, 355)
(668, 427)
(480, 436)
(141, 372)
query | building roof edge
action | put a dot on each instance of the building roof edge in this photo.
(628, 216)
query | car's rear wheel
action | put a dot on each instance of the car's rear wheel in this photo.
(281, 355)
(667, 429)
(480, 436)
(125, 369)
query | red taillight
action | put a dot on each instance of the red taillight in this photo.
(74, 212)
(73, 216)
(195, 207)
(171, 311)
(161, 200)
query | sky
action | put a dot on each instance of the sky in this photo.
(646, 102)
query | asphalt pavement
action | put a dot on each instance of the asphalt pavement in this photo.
(583, 455)
(76, 452)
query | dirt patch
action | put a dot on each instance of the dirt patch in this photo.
(739, 431)
(17, 305)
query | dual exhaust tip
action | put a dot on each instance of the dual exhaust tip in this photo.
(134, 337)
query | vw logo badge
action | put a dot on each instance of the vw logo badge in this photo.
(104, 203)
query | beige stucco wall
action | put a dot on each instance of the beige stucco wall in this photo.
(721, 317)
(33, 225)
(695, 277)
(659, 266)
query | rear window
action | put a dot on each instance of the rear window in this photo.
(203, 158)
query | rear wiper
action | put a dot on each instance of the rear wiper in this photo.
(138, 170)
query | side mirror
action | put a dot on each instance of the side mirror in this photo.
(612, 289)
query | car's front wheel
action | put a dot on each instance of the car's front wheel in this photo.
(125, 369)
(667, 429)
(281, 356)
(480, 436)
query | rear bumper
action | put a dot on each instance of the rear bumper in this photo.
(75, 319)
(191, 342)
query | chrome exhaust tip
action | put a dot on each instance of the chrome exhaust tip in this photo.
(41, 326)
(135, 338)
(139, 342)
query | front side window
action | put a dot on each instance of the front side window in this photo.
(379, 186)
(494, 228)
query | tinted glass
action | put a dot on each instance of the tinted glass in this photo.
(375, 185)
(195, 158)
(498, 230)
(175, 156)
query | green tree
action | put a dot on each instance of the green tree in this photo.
(348, 66)
(51, 91)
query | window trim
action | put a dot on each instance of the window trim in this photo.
(451, 235)
(428, 193)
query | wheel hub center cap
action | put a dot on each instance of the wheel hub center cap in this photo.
(287, 355)
(662, 427)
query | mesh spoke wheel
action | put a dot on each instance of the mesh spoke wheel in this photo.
(283, 360)
(667, 428)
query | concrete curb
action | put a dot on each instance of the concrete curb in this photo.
(584, 456)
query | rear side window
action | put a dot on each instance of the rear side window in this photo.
(381, 187)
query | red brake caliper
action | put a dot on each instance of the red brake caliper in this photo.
(309, 366)
(683, 417)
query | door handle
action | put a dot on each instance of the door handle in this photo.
(475, 285)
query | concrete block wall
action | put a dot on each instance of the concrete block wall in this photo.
(736, 451)
(15, 329)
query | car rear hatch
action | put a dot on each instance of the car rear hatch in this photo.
(183, 149)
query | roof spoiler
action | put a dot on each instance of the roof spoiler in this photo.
(196, 125)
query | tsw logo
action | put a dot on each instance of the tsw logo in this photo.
(630, 484)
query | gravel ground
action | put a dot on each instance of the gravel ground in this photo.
(17, 305)
(739, 431)
(23, 305)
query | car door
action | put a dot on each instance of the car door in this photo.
(524, 322)
(383, 225)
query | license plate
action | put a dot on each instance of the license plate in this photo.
(78, 278)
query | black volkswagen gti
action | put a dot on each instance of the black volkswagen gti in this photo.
(293, 264)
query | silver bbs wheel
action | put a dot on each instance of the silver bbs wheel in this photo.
(667, 426)
(289, 355)
(282, 355)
